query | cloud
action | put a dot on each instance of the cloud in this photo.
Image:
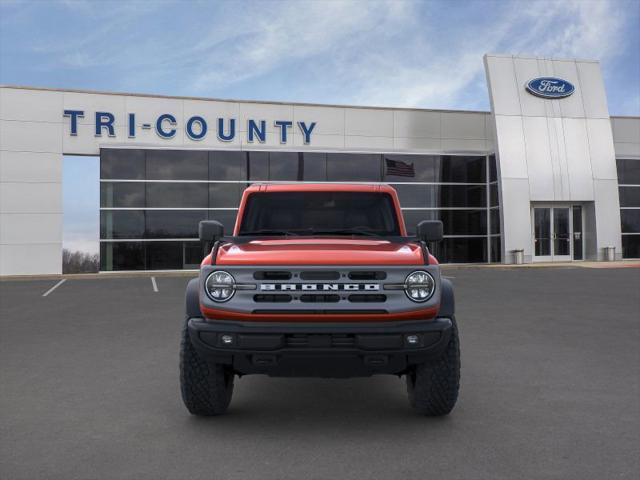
(391, 53)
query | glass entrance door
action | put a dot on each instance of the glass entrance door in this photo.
(557, 233)
(561, 234)
(542, 233)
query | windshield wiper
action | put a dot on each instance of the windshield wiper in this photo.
(266, 231)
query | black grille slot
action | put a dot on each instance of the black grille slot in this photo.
(319, 298)
(319, 275)
(343, 340)
(272, 298)
(367, 275)
(360, 298)
(272, 275)
(297, 341)
(320, 341)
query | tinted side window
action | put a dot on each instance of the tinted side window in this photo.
(119, 195)
(177, 195)
(173, 223)
(124, 164)
(177, 165)
(227, 165)
(628, 171)
(284, 166)
(121, 224)
(353, 167)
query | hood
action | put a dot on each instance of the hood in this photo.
(320, 251)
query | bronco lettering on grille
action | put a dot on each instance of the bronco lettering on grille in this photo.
(324, 287)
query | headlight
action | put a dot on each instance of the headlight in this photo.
(220, 286)
(419, 286)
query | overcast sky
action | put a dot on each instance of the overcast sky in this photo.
(391, 53)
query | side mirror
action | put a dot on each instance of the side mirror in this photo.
(429, 230)
(210, 231)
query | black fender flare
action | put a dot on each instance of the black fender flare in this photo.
(192, 299)
(447, 299)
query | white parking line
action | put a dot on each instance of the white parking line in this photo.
(54, 287)
(154, 284)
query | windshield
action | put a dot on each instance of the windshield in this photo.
(320, 213)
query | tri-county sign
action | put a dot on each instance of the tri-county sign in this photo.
(550, 87)
(196, 127)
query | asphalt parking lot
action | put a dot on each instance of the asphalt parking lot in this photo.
(550, 389)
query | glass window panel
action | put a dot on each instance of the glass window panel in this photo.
(413, 217)
(630, 221)
(226, 217)
(493, 169)
(124, 164)
(122, 195)
(177, 195)
(494, 199)
(410, 168)
(285, 166)
(460, 250)
(225, 165)
(460, 195)
(439, 196)
(194, 252)
(464, 222)
(629, 196)
(494, 216)
(173, 223)
(460, 169)
(164, 255)
(122, 256)
(258, 166)
(121, 224)
(631, 246)
(414, 196)
(177, 165)
(314, 167)
(628, 171)
(223, 195)
(353, 167)
(496, 252)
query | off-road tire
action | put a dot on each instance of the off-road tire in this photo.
(433, 386)
(206, 387)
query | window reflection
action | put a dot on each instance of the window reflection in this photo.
(177, 165)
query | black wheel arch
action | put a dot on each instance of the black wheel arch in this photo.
(192, 299)
(447, 299)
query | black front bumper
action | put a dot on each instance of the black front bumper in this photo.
(319, 349)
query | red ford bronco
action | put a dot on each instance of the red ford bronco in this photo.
(319, 280)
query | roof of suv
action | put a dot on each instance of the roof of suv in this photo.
(320, 187)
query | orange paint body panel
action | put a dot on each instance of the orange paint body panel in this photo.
(320, 251)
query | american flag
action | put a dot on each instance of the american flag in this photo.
(399, 168)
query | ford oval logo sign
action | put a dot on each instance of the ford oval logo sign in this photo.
(550, 87)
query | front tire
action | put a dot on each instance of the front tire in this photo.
(206, 387)
(433, 386)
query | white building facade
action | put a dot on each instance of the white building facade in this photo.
(547, 174)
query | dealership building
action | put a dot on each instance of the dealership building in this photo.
(546, 175)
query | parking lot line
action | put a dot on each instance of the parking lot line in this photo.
(54, 287)
(154, 284)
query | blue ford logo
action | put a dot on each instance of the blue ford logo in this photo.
(550, 87)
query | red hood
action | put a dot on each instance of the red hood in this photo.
(321, 251)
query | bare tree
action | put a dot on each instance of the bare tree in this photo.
(79, 262)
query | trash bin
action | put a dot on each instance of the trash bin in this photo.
(609, 254)
(518, 257)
